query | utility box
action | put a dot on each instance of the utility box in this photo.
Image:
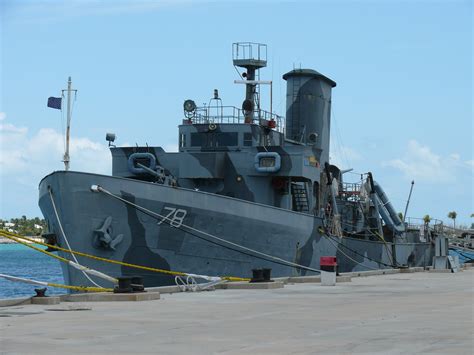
(328, 266)
(440, 260)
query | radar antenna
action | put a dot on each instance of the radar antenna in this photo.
(252, 57)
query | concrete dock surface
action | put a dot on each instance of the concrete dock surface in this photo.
(391, 314)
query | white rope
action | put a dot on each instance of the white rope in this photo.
(21, 279)
(190, 284)
(289, 263)
(93, 272)
(67, 242)
(205, 277)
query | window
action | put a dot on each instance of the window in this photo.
(226, 139)
(214, 140)
(267, 162)
(247, 139)
(182, 140)
(198, 139)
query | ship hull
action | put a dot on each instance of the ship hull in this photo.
(141, 238)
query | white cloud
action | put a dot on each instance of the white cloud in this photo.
(343, 156)
(9, 128)
(3, 115)
(420, 163)
(26, 158)
(455, 156)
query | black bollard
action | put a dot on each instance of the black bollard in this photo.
(40, 292)
(124, 285)
(267, 275)
(257, 275)
(137, 284)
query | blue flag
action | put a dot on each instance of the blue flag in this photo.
(54, 102)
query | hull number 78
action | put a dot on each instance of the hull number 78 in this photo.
(174, 218)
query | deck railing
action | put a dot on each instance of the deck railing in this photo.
(231, 114)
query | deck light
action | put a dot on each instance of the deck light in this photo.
(110, 137)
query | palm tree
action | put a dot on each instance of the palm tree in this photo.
(427, 219)
(453, 216)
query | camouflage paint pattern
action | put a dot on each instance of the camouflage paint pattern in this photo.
(212, 185)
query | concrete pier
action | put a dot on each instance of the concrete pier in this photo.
(390, 314)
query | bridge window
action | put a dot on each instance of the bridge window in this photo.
(198, 139)
(214, 139)
(247, 139)
(226, 139)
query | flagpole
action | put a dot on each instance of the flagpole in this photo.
(68, 128)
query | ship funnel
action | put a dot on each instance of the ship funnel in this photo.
(308, 109)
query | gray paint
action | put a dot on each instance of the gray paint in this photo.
(218, 190)
(308, 108)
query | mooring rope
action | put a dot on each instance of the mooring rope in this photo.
(244, 250)
(51, 284)
(347, 256)
(65, 237)
(82, 268)
(112, 261)
(352, 250)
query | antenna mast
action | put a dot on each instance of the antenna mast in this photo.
(252, 57)
(66, 158)
(408, 201)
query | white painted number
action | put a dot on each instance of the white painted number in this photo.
(175, 217)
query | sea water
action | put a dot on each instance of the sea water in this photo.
(21, 261)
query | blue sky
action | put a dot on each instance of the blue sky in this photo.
(402, 107)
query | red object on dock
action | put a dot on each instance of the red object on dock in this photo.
(328, 261)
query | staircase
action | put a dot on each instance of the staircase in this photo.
(300, 197)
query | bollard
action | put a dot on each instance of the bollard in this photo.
(40, 292)
(261, 275)
(124, 285)
(257, 275)
(267, 275)
(137, 284)
(328, 266)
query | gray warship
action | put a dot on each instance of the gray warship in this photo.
(248, 189)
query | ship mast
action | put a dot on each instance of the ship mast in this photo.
(69, 90)
(252, 57)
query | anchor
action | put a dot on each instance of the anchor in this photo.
(103, 236)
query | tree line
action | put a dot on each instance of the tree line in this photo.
(24, 226)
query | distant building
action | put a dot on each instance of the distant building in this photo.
(37, 226)
(9, 224)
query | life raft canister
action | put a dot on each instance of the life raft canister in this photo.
(267, 162)
(146, 159)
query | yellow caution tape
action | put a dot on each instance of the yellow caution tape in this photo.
(81, 288)
(15, 237)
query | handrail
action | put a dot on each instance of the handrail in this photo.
(234, 115)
